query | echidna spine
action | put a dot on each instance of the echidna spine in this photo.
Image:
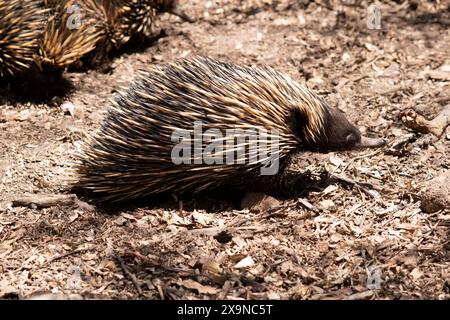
(133, 154)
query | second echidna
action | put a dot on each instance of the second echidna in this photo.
(132, 155)
(72, 31)
(55, 34)
(21, 27)
(106, 25)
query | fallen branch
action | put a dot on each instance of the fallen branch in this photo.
(66, 255)
(418, 123)
(130, 275)
(367, 188)
(44, 201)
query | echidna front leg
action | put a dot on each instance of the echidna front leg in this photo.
(262, 194)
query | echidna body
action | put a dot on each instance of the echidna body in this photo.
(21, 26)
(55, 34)
(87, 30)
(73, 30)
(137, 15)
(132, 154)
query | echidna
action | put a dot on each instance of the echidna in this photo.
(134, 154)
(21, 26)
(171, 6)
(103, 25)
(137, 15)
(73, 30)
(55, 34)
(123, 20)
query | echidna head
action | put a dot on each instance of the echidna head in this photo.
(171, 6)
(338, 134)
(165, 5)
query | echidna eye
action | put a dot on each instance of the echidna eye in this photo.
(351, 138)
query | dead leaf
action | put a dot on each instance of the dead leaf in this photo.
(327, 204)
(258, 202)
(194, 285)
(245, 263)
(416, 274)
(120, 221)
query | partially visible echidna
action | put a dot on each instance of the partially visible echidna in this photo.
(55, 34)
(132, 154)
(170, 6)
(106, 25)
(137, 15)
(73, 30)
(21, 26)
(120, 21)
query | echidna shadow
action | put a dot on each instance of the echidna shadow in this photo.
(220, 199)
(135, 45)
(36, 88)
(191, 102)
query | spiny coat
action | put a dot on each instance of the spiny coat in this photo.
(130, 156)
(22, 24)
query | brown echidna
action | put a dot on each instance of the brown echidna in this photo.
(137, 15)
(132, 154)
(21, 26)
(171, 6)
(55, 34)
(119, 21)
(73, 30)
(100, 27)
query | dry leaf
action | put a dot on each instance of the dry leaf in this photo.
(194, 285)
(245, 263)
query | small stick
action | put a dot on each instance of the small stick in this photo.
(180, 208)
(66, 255)
(420, 124)
(401, 142)
(443, 100)
(306, 205)
(368, 155)
(130, 275)
(360, 185)
(44, 201)
(212, 231)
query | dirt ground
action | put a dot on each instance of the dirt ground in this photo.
(363, 239)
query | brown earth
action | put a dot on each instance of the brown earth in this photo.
(357, 231)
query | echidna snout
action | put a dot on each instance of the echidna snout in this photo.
(341, 135)
(173, 7)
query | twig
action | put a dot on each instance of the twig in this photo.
(307, 205)
(368, 155)
(443, 100)
(364, 187)
(212, 231)
(129, 275)
(396, 147)
(402, 141)
(44, 201)
(153, 263)
(66, 255)
(180, 208)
